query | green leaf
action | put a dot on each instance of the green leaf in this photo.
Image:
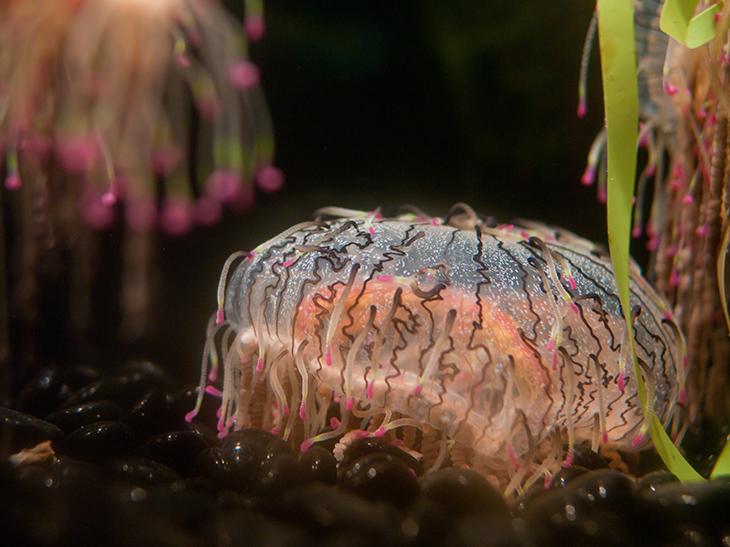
(620, 91)
(679, 22)
(722, 467)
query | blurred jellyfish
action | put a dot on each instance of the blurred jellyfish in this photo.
(148, 108)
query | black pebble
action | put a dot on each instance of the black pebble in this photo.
(19, 430)
(99, 442)
(125, 387)
(154, 413)
(463, 491)
(279, 473)
(598, 508)
(319, 464)
(651, 481)
(587, 458)
(567, 474)
(177, 450)
(369, 445)
(381, 476)
(143, 472)
(50, 387)
(72, 418)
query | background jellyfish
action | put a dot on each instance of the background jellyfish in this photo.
(148, 110)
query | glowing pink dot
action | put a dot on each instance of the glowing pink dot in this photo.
(688, 199)
(77, 154)
(208, 106)
(182, 60)
(670, 89)
(254, 27)
(636, 231)
(334, 423)
(303, 411)
(589, 176)
(165, 159)
(701, 231)
(223, 185)
(244, 75)
(717, 16)
(214, 391)
(176, 217)
(207, 211)
(13, 182)
(582, 109)
(674, 278)
(269, 179)
(95, 213)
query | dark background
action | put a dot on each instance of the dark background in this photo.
(385, 103)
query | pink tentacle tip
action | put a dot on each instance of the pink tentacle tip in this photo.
(417, 390)
(685, 361)
(191, 415)
(384, 278)
(682, 396)
(222, 434)
(254, 27)
(328, 358)
(550, 345)
(670, 89)
(688, 199)
(269, 179)
(548, 481)
(371, 230)
(214, 391)
(285, 410)
(602, 196)
(589, 176)
(511, 455)
(213, 375)
(244, 75)
(305, 445)
(276, 430)
(334, 422)
(621, 382)
(636, 231)
(370, 391)
(572, 283)
(555, 360)
(701, 231)
(604, 437)
(435, 221)
(582, 109)
(638, 440)
(569, 459)
(380, 431)
(303, 412)
(574, 307)
(13, 182)
(259, 365)
(220, 316)
(348, 403)
(289, 262)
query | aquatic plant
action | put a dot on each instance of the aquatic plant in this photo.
(151, 108)
(688, 215)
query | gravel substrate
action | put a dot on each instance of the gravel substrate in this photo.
(109, 460)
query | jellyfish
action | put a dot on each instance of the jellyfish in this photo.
(146, 109)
